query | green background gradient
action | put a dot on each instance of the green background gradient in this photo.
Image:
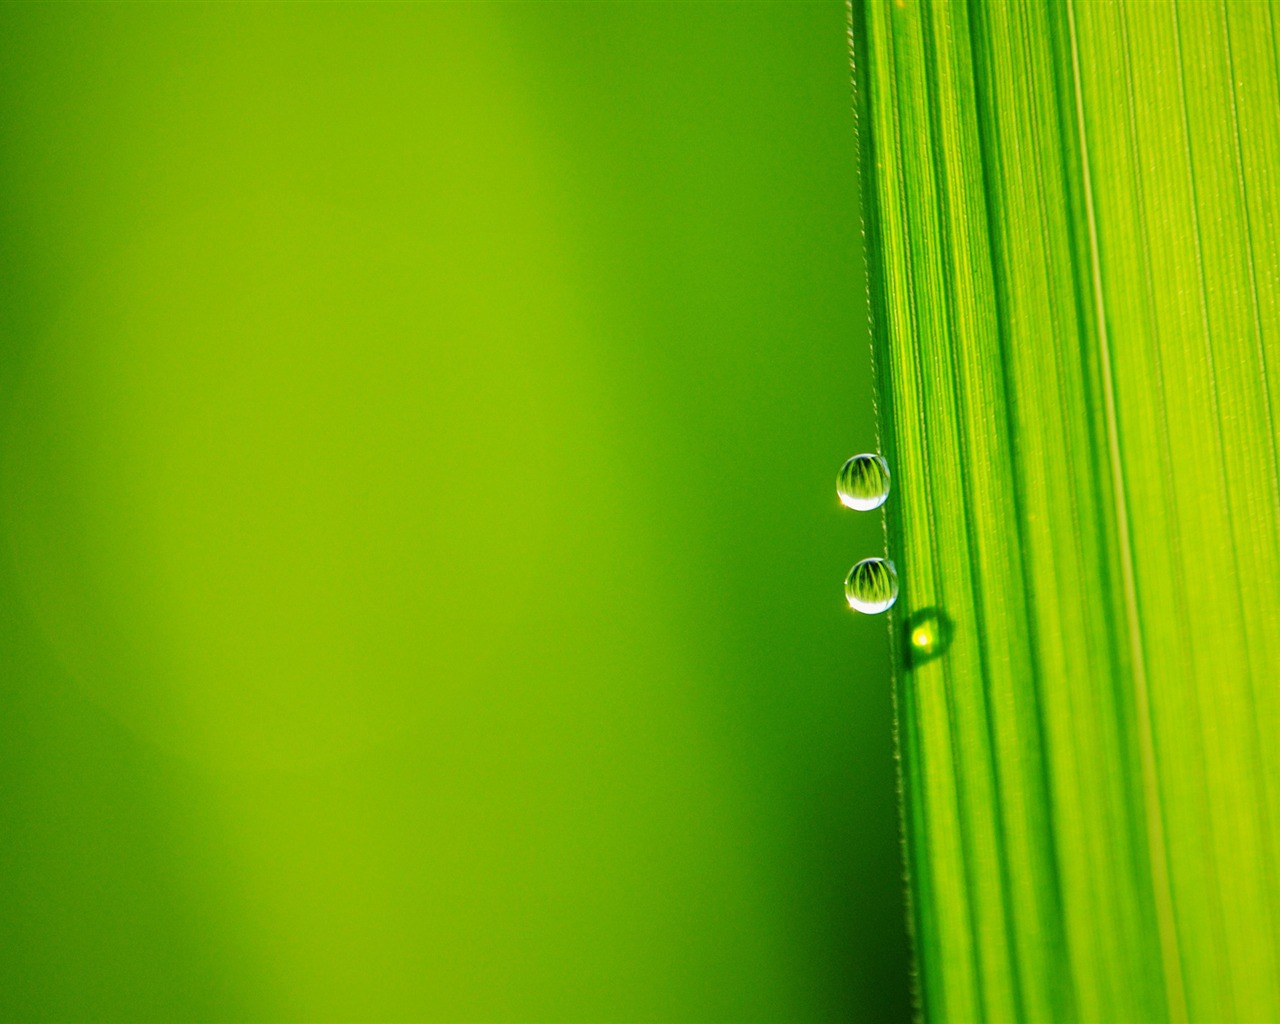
(421, 583)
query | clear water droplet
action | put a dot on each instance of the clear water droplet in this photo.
(863, 483)
(871, 586)
(929, 632)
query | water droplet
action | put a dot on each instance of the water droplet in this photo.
(863, 483)
(871, 586)
(929, 632)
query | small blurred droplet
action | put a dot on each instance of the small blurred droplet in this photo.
(863, 483)
(929, 632)
(871, 586)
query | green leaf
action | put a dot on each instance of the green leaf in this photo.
(1073, 238)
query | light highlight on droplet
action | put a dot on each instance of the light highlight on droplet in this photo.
(871, 586)
(863, 483)
(929, 632)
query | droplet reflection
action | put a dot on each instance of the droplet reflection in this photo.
(871, 586)
(863, 483)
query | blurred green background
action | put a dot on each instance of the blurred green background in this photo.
(421, 566)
